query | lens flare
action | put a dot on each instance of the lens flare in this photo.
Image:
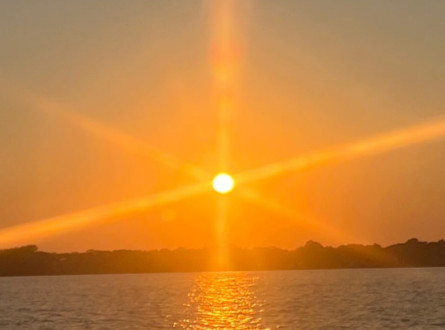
(38, 230)
(398, 139)
(223, 183)
(122, 142)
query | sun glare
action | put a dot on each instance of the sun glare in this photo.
(223, 183)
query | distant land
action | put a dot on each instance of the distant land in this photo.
(29, 261)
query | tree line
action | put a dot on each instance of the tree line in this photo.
(28, 260)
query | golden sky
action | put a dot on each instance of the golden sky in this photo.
(284, 78)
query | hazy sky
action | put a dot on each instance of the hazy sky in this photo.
(312, 74)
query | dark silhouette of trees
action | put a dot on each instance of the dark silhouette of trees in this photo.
(28, 260)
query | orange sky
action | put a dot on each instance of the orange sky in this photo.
(303, 77)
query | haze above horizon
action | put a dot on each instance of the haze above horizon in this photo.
(102, 104)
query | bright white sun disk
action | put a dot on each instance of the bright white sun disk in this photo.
(223, 183)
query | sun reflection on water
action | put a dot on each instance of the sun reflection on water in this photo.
(223, 301)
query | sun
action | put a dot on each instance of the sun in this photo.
(223, 183)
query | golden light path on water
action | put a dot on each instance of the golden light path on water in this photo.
(223, 301)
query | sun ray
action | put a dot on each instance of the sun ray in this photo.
(38, 230)
(224, 69)
(315, 225)
(382, 143)
(222, 257)
(102, 131)
(139, 147)
(297, 218)
(121, 140)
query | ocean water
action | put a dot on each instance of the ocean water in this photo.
(321, 299)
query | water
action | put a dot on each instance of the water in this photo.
(336, 299)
